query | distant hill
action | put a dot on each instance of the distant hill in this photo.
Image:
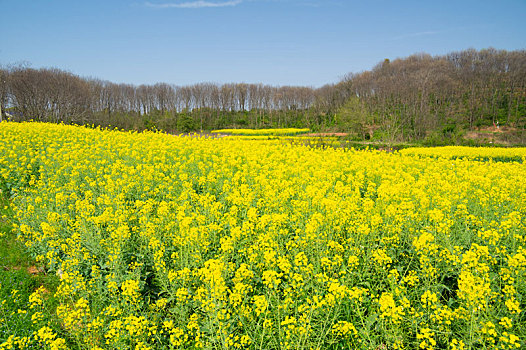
(421, 95)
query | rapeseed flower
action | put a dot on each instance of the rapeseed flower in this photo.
(266, 243)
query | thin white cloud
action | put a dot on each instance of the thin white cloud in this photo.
(412, 35)
(196, 4)
(230, 3)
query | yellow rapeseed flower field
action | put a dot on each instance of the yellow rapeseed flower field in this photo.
(262, 132)
(167, 242)
(480, 153)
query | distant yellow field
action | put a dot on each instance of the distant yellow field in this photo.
(166, 242)
(261, 132)
(468, 152)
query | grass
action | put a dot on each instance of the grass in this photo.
(19, 278)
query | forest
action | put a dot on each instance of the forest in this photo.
(417, 98)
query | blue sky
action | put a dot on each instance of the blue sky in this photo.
(277, 42)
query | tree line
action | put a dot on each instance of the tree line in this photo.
(409, 98)
(403, 99)
(54, 95)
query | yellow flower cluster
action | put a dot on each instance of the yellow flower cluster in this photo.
(169, 242)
